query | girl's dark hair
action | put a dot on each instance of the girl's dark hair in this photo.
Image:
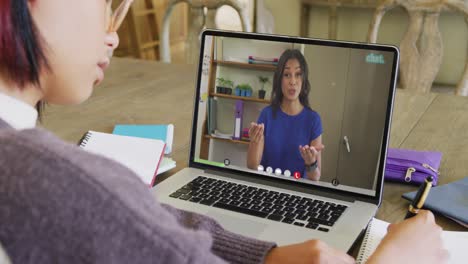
(277, 93)
(22, 56)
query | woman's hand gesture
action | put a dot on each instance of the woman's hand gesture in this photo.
(310, 153)
(256, 132)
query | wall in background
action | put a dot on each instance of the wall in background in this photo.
(353, 25)
(351, 97)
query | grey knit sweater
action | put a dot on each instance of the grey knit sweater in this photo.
(60, 204)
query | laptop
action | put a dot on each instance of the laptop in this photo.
(350, 99)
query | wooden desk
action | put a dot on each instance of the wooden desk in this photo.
(134, 92)
(150, 92)
(428, 122)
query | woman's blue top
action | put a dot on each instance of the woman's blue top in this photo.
(283, 136)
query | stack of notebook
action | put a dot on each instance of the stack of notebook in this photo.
(141, 148)
(157, 132)
(262, 60)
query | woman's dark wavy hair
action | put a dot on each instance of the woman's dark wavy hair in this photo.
(277, 93)
(22, 56)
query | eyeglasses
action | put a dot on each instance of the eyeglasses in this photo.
(115, 18)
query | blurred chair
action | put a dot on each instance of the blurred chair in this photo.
(199, 20)
(264, 20)
(421, 47)
(142, 43)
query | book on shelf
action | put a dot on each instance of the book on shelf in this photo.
(211, 120)
(273, 63)
(229, 137)
(257, 58)
(218, 134)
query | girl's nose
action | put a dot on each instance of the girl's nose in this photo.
(112, 40)
(292, 80)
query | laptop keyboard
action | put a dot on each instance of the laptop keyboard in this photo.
(276, 206)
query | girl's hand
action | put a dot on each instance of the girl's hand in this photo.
(312, 251)
(256, 132)
(310, 153)
(415, 240)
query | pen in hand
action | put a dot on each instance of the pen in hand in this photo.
(420, 197)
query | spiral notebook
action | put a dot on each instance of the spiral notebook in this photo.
(454, 242)
(141, 155)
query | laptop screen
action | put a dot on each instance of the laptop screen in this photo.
(310, 111)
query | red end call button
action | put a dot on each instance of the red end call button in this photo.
(297, 175)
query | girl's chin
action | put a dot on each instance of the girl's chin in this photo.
(74, 96)
(100, 77)
(292, 98)
(83, 96)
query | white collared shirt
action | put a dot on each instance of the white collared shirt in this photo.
(16, 113)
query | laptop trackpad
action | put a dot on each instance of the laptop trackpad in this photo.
(238, 225)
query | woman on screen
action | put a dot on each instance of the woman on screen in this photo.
(288, 133)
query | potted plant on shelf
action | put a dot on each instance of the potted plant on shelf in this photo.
(248, 90)
(263, 80)
(238, 91)
(244, 90)
(224, 86)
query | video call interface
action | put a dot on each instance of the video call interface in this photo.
(309, 113)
